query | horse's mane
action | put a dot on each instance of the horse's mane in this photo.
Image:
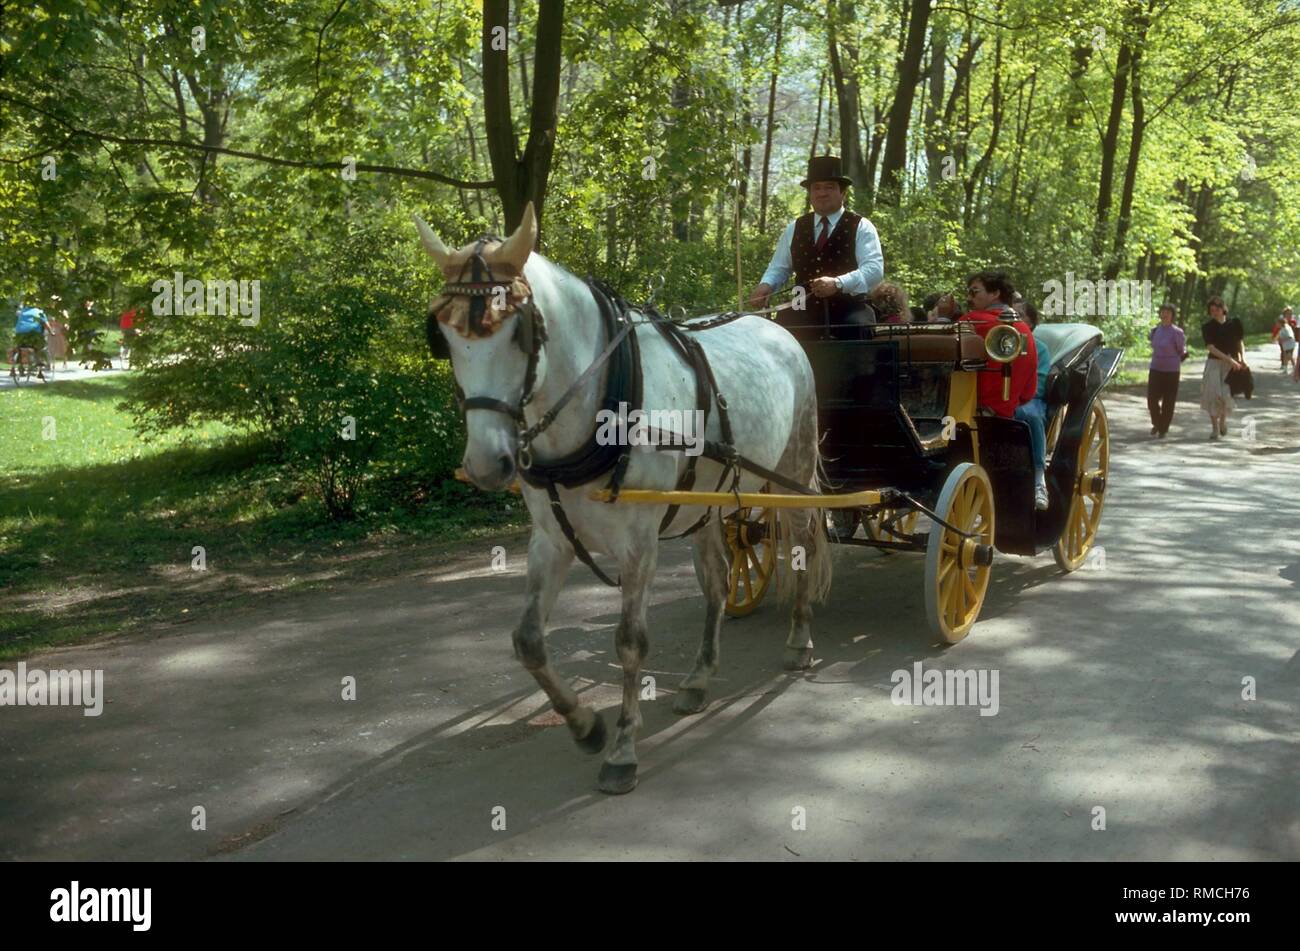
(562, 282)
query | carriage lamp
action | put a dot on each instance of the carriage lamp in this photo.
(1003, 344)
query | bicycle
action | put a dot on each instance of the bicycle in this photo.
(26, 362)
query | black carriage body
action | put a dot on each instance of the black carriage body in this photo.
(870, 439)
(1005, 453)
(882, 414)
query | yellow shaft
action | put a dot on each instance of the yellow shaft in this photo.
(765, 500)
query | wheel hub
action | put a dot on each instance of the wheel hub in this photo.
(972, 553)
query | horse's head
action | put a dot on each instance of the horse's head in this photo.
(484, 320)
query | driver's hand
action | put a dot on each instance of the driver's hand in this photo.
(823, 286)
(760, 295)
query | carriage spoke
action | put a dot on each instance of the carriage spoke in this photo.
(958, 602)
(734, 581)
(968, 585)
(947, 582)
(946, 571)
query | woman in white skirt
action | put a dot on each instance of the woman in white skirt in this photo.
(1224, 340)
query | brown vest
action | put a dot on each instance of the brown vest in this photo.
(839, 256)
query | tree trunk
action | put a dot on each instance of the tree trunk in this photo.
(681, 201)
(473, 161)
(771, 113)
(845, 74)
(1022, 130)
(817, 123)
(1134, 148)
(1109, 143)
(521, 179)
(909, 74)
(938, 73)
(981, 166)
(611, 234)
(1081, 55)
(1201, 206)
(523, 60)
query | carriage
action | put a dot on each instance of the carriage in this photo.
(916, 467)
(896, 445)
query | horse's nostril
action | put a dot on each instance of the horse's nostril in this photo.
(506, 464)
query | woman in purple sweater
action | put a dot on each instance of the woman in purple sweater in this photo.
(1168, 351)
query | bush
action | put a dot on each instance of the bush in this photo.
(335, 371)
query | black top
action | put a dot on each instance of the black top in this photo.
(1227, 336)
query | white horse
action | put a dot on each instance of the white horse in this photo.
(758, 366)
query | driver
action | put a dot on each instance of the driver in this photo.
(833, 252)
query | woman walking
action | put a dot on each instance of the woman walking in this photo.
(1224, 339)
(1286, 339)
(1168, 351)
(56, 340)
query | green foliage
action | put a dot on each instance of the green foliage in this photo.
(662, 122)
(339, 337)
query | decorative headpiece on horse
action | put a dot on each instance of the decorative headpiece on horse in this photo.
(495, 289)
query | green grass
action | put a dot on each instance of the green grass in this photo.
(99, 516)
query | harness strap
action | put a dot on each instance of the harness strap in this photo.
(528, 435)
(623, 385)
(726, 455)
(487, 402)
(692, 355)
(579, 549)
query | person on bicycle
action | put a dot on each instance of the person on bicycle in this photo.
(30, 328)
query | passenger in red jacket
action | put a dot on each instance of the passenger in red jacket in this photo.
(988, 294)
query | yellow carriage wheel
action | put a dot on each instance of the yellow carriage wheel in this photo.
(957, 568)
(904, 524)
(751, 541)
(1080, 532)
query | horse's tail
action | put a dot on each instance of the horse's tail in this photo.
(803, 543)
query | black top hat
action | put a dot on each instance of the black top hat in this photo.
(825, 168)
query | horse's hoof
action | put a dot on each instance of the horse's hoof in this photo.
(594, 741)
(798, 658)
(617, 779)
(690, 700)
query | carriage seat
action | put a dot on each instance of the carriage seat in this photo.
(933, 343)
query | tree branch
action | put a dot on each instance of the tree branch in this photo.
(252, 156)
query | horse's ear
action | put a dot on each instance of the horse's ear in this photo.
(519, 245)
(432, 243)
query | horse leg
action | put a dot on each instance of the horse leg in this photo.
(799, 645)
(637, 568)
(807, 535)
(711, 571)
(548, 562)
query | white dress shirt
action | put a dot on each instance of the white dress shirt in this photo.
(871, 262)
